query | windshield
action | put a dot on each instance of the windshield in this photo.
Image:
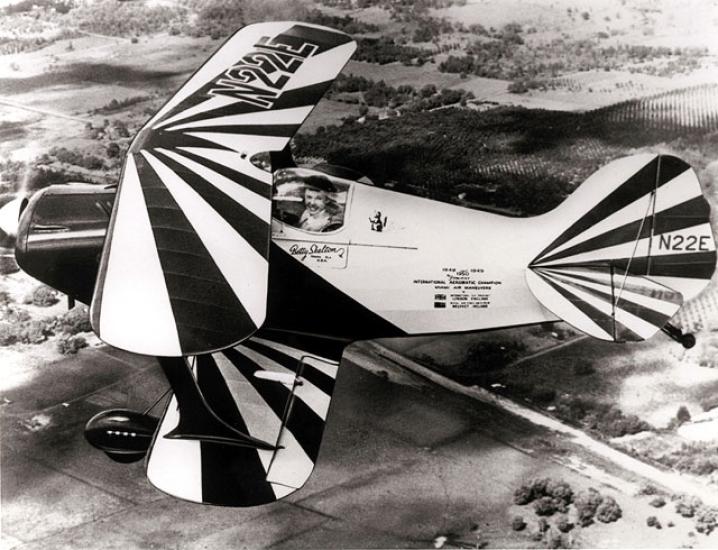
(310, 200)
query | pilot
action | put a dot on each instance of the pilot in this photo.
(321, 213)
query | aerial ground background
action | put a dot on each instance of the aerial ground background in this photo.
(492, 104)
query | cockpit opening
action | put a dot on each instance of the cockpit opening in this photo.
(310, 200)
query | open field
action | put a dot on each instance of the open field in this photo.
(651, 379)
(684, 24)
(396, 74)
(328, 113)
(380, 481)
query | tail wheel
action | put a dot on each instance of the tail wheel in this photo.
(687, 340)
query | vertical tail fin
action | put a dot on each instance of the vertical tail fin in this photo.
(627, 248)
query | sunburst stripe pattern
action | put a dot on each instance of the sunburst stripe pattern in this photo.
(210, 245)
(233, 166)
(658, 297)
(209, 207)
(290, 117)
(251, 485)
(643, 182)
(693, 265)
(685, 210)
(284, 117)
(620, 299)
(187, 265)
(685, 215)
(288, 100)
(248, 221)
(238, 476)
(620, 319)
(303, 424)
(654, 223)
(231, 52)
(320, 379)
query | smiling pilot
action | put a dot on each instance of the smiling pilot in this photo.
(321, 212)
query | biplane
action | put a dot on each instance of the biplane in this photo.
(247, 275)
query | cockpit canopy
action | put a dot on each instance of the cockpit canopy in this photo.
(313, 200)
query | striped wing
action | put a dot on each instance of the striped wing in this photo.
(185, 262)
(640, 246)
(263, 388)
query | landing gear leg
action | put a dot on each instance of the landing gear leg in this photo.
(687, 340)
(197, 420)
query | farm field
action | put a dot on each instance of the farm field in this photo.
(396, 74)
(328, 113)
(651, 379)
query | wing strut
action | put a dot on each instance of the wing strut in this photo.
(196, 419)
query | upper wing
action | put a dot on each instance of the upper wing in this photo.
(271, 391)
(184, 265)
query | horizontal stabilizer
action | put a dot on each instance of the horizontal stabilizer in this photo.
(626, 249)
(184, 266)
(603, 304)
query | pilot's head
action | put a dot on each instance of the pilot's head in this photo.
(316, 193)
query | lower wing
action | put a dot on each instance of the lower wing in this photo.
(275, 395)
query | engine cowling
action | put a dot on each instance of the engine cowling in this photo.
(60, 236)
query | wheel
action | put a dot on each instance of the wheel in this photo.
(688, 341)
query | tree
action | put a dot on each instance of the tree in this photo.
(422, 34)
(683, 415)
(113, 150)
(92, 162)
(546, 506)
(428, 90)
(120, 129)
(609, 510)
(518, 523)
(518, 87)
(563, 524)
(587, 503)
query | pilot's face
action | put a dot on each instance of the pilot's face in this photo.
(315, 200)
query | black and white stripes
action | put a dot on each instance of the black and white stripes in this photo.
(640, 245)
(184, 268)
(268, 390)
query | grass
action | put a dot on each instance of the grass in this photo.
(396, 74)
(329, 113)
(12, 130)
(610, 389)
(641, 378)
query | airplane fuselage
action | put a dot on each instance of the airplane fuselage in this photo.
(397, 264)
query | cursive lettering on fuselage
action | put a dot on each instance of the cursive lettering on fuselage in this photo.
(304, 251)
